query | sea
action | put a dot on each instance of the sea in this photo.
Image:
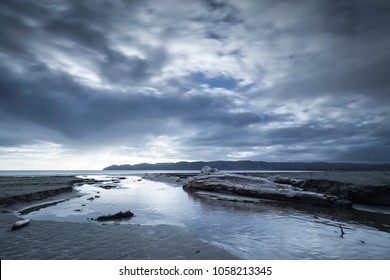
(119, 172)
(248, 228)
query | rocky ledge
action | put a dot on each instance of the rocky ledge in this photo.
(213, 181)
(364, 194)
(331, 189)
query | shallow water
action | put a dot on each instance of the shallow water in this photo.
(255, 229)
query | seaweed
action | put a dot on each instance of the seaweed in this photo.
(117, 216)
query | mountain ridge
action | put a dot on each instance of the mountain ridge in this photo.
(250, 165)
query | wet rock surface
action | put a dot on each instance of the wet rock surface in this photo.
(339, 188)
(262, 188)
(373, 195)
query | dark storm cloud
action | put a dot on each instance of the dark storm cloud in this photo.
(61, 104)
(313, 134)
(119, 68)
(342, 43)
(301, 79)
(85, 27)
(368, 80)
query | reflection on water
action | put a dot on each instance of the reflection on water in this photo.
(252, 230)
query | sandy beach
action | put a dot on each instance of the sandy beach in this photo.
(67, 240)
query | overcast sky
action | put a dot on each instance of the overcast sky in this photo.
(86, 84)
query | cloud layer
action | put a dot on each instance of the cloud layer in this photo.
(91, 84)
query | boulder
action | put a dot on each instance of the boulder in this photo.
(207, 170)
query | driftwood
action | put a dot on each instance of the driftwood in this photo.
(342, 231)
(19, 224)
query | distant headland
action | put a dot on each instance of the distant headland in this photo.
(250, 165)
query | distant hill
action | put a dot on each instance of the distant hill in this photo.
(250, 165)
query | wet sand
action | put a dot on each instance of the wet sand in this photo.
(65, 240)
(15, 189)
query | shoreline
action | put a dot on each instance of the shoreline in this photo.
(70, 240)
(86, 241)
(355, 179)
(365, 177)
(24, 189)
(49, 240)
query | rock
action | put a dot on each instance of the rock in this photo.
(262, 188)
(207, 170)
(286, 181)
(373, 195)
(326, 187)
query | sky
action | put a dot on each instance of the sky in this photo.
(86, 84)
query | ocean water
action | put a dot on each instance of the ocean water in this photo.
(84, 172)
(116, 172)
(256, 229)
